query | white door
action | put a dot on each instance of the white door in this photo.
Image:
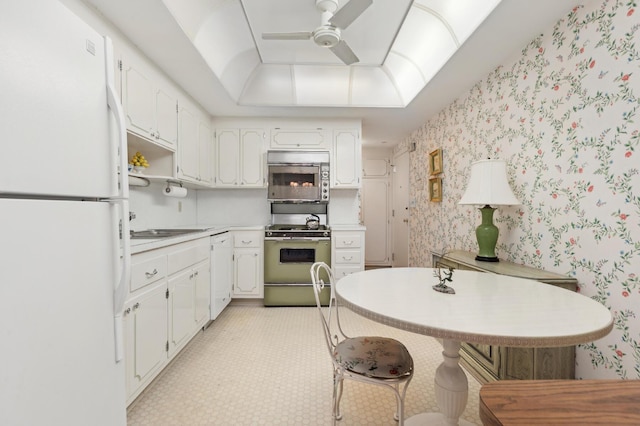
(375, 207)
(400, 216)
(55, 122)
(57, 278)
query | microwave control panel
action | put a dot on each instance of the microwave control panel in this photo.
(324, 182)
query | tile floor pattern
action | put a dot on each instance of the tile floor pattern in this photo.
(270, 366)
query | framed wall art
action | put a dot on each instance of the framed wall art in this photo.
(435, 189)
(435, 162)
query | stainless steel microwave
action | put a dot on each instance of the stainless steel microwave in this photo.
(298, 176)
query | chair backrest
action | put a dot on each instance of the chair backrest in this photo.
(318, 270)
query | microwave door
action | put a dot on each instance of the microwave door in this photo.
(294, 183)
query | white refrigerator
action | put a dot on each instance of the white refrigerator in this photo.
(64, 256)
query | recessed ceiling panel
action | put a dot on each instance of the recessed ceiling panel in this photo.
(422, 29)
(371, 86)
(463, 16)
(405, 42)
(325, 85)
(406, 76)
(270, 84)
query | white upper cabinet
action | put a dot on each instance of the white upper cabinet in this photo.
(150, 103)
(240, 157)
(303, 138)
(195, 143)
(346, 159)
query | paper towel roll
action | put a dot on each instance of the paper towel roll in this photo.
(175, 191)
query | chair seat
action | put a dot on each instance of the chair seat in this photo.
(374, 356)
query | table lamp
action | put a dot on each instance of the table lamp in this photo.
(488, 186)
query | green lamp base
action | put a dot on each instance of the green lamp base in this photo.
(487, 259)
(487, 236)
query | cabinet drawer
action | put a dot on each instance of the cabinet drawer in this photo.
(348, 241)
(248, 239)
(186, 255)
(348, 256)
(147, 268)
(344, 270)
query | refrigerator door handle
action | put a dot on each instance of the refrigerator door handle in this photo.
(118, 112)
(119, 293)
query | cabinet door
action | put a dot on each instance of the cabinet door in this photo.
(202, 278)
(247, 272)
(181, 309)
(299, 138)
(188, 132)
(205, 143)
(145, 325)
(166, 117)
(222, 272)
(138, 100)
(347, 155)
(227, 158)
(251, 157)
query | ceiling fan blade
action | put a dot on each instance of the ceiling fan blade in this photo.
(344, 53)
(302, 35)
(349, 13)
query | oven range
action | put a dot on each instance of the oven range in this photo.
(289, 252)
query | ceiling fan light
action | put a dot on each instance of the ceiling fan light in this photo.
(326, 37)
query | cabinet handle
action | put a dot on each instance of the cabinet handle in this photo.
(347, 243)
(347, 258)
(127, 311)
(196, 273)
(152, 273)
(247, 242)
(191, 276)
(136, 306)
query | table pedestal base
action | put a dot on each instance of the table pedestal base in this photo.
(430, 419)
(451, 389)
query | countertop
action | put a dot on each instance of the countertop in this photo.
(144, 244)
(140, 245)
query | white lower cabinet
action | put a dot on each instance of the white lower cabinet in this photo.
(347, 252)
(168, 303)
(247, 264)
(145, 325)
(182, 307)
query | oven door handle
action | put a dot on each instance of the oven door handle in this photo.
(297, 239)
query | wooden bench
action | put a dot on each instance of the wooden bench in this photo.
(560, 402)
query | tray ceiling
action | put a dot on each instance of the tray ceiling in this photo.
(213, 49)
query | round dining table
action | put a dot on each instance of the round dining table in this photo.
(486, 308)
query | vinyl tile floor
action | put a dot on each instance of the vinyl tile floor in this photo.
(270, 366)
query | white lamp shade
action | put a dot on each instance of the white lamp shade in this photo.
(488, 185)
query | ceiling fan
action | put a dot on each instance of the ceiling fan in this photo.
(328, 33)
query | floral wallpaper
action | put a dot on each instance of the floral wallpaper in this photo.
(565, 114)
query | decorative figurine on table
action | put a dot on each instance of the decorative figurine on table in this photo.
(442, 287)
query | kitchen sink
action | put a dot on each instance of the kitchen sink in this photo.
(161, 233)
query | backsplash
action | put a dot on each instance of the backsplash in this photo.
(564, 115)
(154, 210)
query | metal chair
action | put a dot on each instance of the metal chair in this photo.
(369, 359)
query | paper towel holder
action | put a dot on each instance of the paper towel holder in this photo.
(169, 182)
